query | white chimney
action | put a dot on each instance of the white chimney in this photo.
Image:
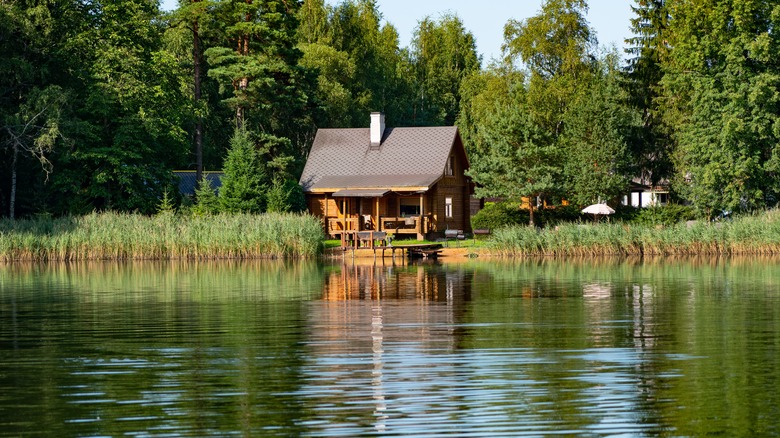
(377, 128)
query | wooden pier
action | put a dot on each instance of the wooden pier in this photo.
(425, 250)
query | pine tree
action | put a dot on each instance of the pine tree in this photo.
(244, 184)
(651, 144)
(206, 198)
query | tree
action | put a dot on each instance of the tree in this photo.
(721, 92)
(336, 72)
(268, 86)
(598, 165)
(482, 92)
(245, 180)
(651, 143)
(361, 68)
(207, 200)
(518, 160)
(34, 130)
(191, 14)
(557, 41)
(285, 195)
(443, 53)
(556, 46)
(130, 108)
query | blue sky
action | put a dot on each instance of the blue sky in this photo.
(485, 19)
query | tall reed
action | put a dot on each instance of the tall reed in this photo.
(755, 234)
(118, 236)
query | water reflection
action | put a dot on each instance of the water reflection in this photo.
(683, 347)
(413, 346)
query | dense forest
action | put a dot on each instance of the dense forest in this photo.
(101, 99)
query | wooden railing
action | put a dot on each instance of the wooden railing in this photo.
(409, 225)
(340, 225)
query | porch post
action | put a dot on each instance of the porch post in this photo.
(378, 225)
(327, 219)
(420, 226)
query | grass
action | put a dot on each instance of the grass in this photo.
(117, 236)
(756, 234)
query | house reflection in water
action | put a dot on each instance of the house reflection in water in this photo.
(371, 320)
(408, 282)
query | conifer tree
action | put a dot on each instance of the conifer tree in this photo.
(244, 183)
(651, 143)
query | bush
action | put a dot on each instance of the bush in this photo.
(558, 215)
(499, 214)
(664, 215)
(502, 214)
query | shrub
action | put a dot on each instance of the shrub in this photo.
(285, 196)
(498, 215)
(207, 201)
(664, 215)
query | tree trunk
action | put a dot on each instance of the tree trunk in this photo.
(243, 83)
(12, 211)
(197, 56)
(530, 212)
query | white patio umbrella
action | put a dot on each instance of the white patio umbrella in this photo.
(598, 209)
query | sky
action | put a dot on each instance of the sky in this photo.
(486, 19)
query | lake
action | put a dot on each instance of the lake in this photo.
(607, 347)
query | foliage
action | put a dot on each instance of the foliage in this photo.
(496, 215)
(664, 215)
(361, 68)
(597, 125)
(285, 196)
(166, 206)
(721, 93)
(245, 180)
(650, 143)
(443, 53)
(520, 162)
(101, 100)
(554, 43)
(207, 202)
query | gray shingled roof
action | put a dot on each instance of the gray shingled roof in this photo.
(408, 157)
(188, 184)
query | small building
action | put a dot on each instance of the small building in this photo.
(397, 180)
(644, 194)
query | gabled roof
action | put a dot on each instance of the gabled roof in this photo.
(407, 159)
(188, 184)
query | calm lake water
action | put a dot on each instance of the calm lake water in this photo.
(671, 347)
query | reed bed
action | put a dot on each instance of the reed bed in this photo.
(757, 234)
(118, 236)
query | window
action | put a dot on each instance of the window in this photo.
(450, 171)
(410, 207)
(448, 207)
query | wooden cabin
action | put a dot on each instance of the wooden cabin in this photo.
(396, 180)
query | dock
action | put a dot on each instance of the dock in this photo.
(427, 251)
(424, 250)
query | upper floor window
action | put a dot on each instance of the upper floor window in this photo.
(450, 171)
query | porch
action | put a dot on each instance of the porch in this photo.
(347, 212)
